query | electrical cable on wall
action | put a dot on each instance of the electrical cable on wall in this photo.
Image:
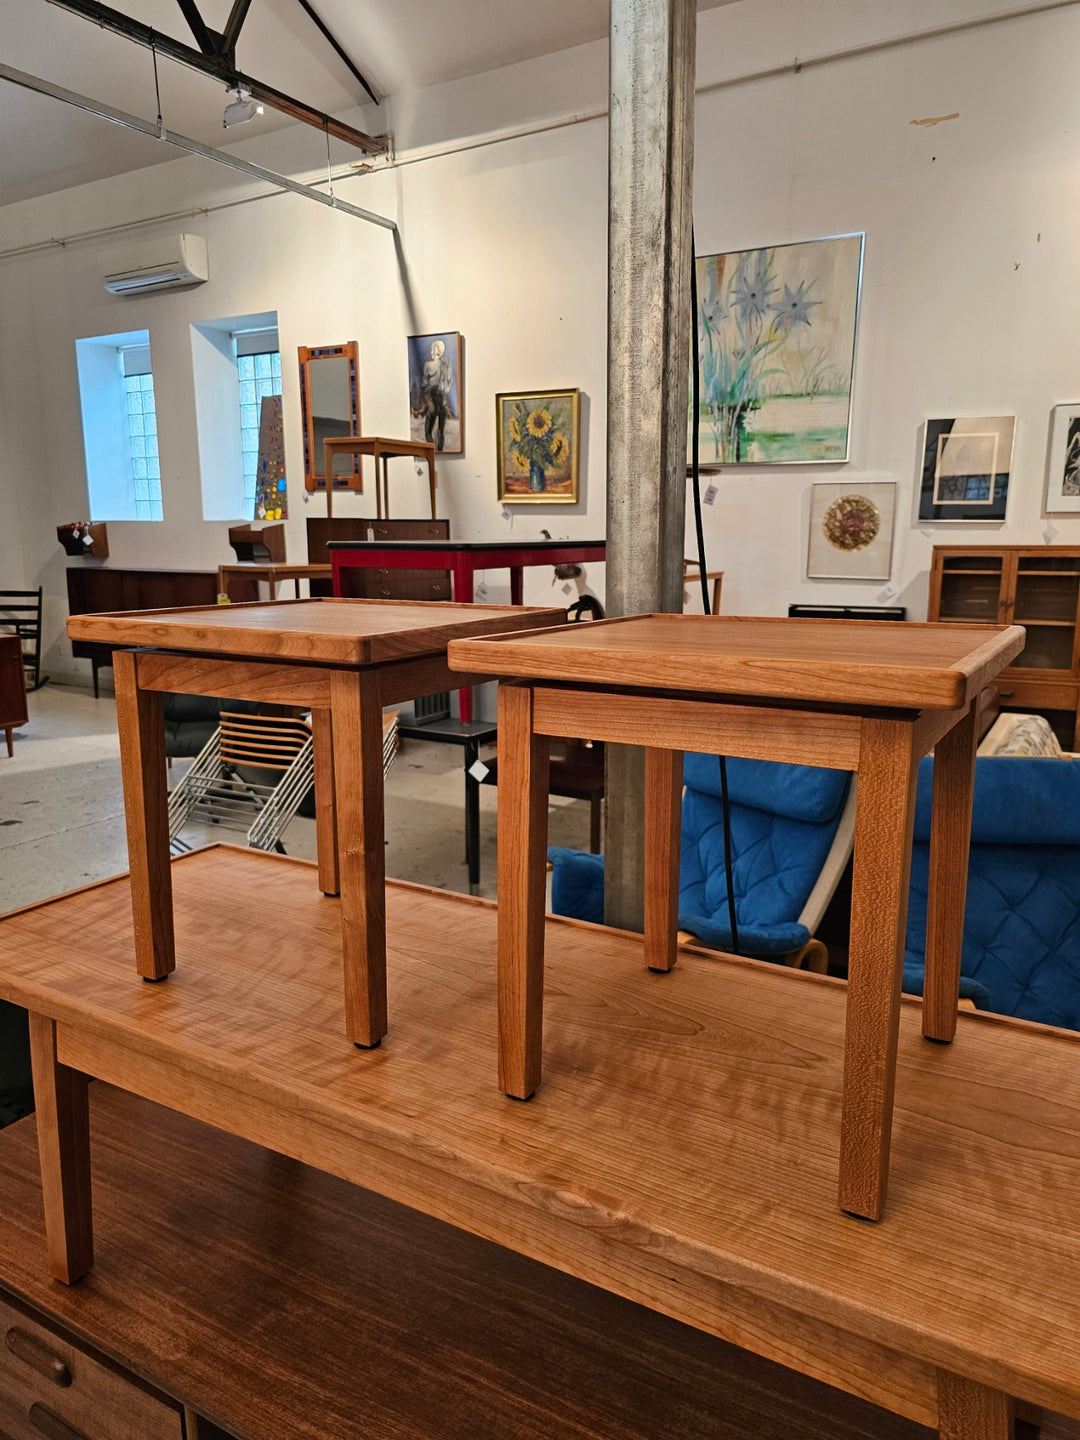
(695, 475)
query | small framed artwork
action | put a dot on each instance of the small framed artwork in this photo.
(965, 469)
(538, 436)
(1063, 474)
(436, 392)
(851, 531)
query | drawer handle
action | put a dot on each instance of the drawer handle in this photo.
(30, 1350)
(1006, 694)
(51, 1426)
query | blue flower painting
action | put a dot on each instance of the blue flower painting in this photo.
(776, 351)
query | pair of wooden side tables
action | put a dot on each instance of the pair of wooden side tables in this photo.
(851, 695)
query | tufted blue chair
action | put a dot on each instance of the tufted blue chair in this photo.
(1022, 924)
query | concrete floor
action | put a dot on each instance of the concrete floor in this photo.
(62, 813)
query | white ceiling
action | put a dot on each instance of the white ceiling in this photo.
(396, 44)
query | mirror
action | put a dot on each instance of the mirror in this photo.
(330, 398)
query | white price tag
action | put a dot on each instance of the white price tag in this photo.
(478, 771)
(481, 594)
(710, 495)
(925, 530)
(506, 513)
(568, 589)
(889, 593)
(686, 601)
(1051, 532)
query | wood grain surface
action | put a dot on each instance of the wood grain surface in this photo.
(288, 1305)
(341, 632)
(844, 661)
(681, 1152)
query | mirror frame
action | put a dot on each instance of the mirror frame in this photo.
(351, 352)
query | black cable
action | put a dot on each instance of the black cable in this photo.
(695, 469)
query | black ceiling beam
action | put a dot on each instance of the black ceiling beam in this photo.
(336, 46)
(234, 24)
(208, 41)
(220, 67)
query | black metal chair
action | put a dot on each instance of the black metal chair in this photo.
(20, 614)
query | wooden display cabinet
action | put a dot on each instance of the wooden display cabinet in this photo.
(1034, 586)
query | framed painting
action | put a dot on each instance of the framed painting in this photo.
(776, 352)
(538, 439)
(851, 531)
(436, 392)
(965, 468)
(1063, 473)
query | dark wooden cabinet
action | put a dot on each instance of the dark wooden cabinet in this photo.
(1034, 586)
(13, 711)
(383, 584)
(91, 592)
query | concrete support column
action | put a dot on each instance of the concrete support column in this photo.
(650, 198)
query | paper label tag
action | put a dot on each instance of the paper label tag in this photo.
(568, 589)
(1051, 532)
(507, 514)
(890, 592)
(478, 770)
(710, 495)
(481, 591)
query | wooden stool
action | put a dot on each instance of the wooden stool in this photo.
(343, 659)
(851, 695)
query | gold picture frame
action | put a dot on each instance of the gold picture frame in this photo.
(538, 440)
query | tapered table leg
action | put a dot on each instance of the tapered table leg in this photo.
(141, 722)
(970, 1411)
(882, 865)
(63, 1127)
(326, 841)
(356, 720)
(663, 827)
(950, 841)
(522, 835)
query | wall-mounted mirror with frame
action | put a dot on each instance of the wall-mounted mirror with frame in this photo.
(330, 405)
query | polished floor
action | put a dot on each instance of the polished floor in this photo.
(62, 811)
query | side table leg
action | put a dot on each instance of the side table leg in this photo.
(663, 833)
(950, 841)
(970, 1411)
(517, 585)
(63, 1126)
(356, 720)
(523, 802)
(326, 841)
(883, 826)
(141, 722)
(463, 576)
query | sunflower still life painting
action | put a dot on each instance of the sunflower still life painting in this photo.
(538, 442)
(776, 351)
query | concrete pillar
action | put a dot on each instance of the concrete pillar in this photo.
(650, 198)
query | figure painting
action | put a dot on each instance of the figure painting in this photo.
(538, 439)
(776, 352)
(436, 392)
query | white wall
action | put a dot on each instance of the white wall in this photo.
(970, 301)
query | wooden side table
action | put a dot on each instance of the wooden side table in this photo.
(380, 449)
(345, 659)
(850, 695)
(13, 709)
(273, 572)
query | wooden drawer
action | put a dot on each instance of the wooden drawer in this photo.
(1017, 692)
(51, 1389)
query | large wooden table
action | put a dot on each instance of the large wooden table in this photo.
(346, 660)
(682, 1153)
(850, 695)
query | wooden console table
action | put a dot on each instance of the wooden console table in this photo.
(682, 1155)
(849, 695)
(343, 659)
(381, 450)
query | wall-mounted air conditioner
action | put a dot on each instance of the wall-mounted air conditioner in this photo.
(170, 263)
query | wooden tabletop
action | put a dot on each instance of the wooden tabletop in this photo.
(282, 1302)
(682, 1151)
(855, 662)
(279, 569)
(342, 632)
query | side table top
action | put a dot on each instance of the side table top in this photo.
(850, 662)
(317, 631)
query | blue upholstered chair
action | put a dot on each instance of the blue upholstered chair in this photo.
(1022, 923)
(792, 829)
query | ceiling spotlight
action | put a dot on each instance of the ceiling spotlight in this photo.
(242, 107)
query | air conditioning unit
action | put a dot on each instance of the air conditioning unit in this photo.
(170, 263)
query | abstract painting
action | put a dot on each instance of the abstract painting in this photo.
(1063, 475)
(271, 491)
(776, 352)
(538, 439)
(436, 392)
(965, 468)
(851, 531)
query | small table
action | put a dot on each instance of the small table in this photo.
(850, 695)
(379, 448)
(343, 659)
(463, 558)
(470, 735)
(272, 572)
